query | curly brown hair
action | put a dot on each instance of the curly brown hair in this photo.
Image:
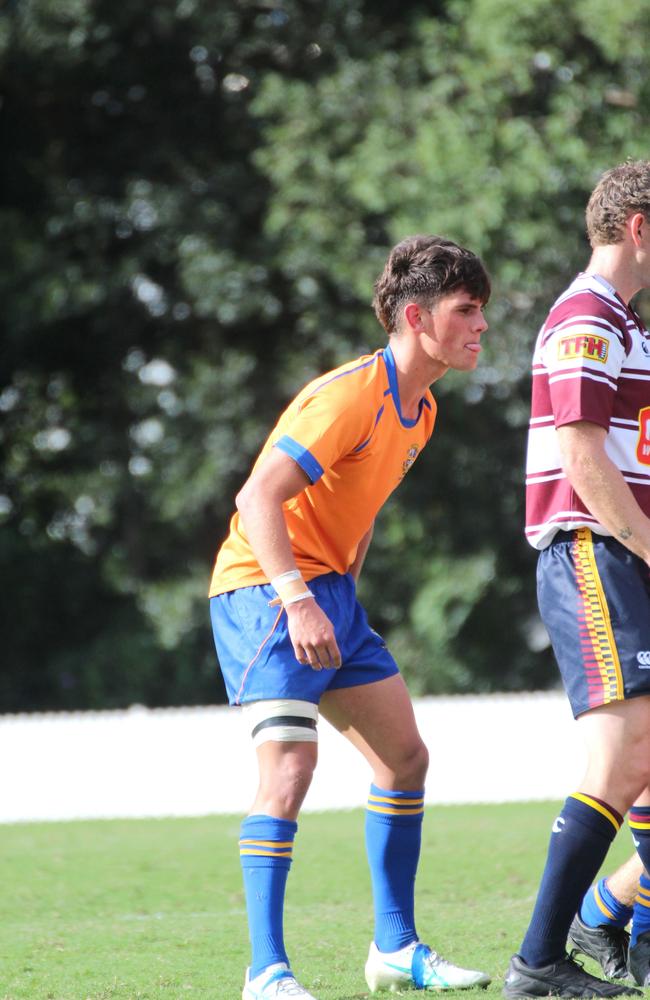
(422, 269)
(620, 192)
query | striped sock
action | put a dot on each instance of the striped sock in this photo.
(580, 839)
(641, 912)
(393, 836)
(601, 908)
(639, 821)
(265, 850)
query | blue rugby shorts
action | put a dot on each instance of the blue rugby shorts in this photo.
(256, 655)
(594, 598)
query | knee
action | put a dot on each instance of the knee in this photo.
(637, 758)
(288, 783)
(623, 785)
(411, 771)
(636, 777)
(421, 763)
(294, 777)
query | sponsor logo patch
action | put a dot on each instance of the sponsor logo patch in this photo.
(643, 659)
(643, 444)
(411, 455)
(584, 345)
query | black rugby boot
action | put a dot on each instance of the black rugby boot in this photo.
(639, 960)
(564, 978)
(606, 945)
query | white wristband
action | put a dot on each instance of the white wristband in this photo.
(278, 581)
(298, 597)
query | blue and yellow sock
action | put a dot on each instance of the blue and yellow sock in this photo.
(641, 911)
(601, 908)
(639, 821)
(581, 837)
(265, 850)
(393, 837)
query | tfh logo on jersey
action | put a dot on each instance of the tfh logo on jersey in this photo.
(643, 444)
(584, 345)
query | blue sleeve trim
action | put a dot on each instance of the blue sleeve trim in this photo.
(302, 456)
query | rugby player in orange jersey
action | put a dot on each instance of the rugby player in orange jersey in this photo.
(291, 637)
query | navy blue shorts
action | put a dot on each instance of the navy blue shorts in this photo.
(594, 598)
(256, 655)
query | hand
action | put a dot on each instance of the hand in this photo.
(312, 635)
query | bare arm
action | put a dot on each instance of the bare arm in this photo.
(601, 487)
(259, 503)
(362, 548)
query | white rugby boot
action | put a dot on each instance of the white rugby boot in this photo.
(417, 966)
(277, 981)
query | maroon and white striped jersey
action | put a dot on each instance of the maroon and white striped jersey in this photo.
(591, 362)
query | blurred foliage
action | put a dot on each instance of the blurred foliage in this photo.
(195, 201)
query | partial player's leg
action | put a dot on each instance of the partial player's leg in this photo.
(609, 906)
(639, 952)
(378, 720)
(285, 735)
(258, 664)
(594, 602)
(630, 727)
(617, 736)
(598, 929)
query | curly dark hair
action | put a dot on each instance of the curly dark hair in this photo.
(422, 269)
(620, 192)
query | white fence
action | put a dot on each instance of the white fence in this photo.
(197, 761)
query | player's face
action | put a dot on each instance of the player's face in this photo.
(453, 330)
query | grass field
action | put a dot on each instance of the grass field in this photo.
(154, 908)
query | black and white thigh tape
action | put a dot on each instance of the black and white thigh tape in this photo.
(282, 720)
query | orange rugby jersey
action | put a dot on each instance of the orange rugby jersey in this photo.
(346, 431)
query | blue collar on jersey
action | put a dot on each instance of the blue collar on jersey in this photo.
(389, 361)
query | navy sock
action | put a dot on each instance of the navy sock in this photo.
(393, 836)
(579, 842)
(265, 849)
(601, 908)
(639, 820)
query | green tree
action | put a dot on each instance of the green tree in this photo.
(145, 327)
(490, 125)
(196, 201)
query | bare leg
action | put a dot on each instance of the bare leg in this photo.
(285, 773)
(624, 882)
(378, 720)
(617, 737)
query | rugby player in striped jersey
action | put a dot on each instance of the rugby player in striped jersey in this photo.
(588, 512)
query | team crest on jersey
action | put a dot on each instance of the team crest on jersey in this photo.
(584, 345)
(411, 455)
(643, 444)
